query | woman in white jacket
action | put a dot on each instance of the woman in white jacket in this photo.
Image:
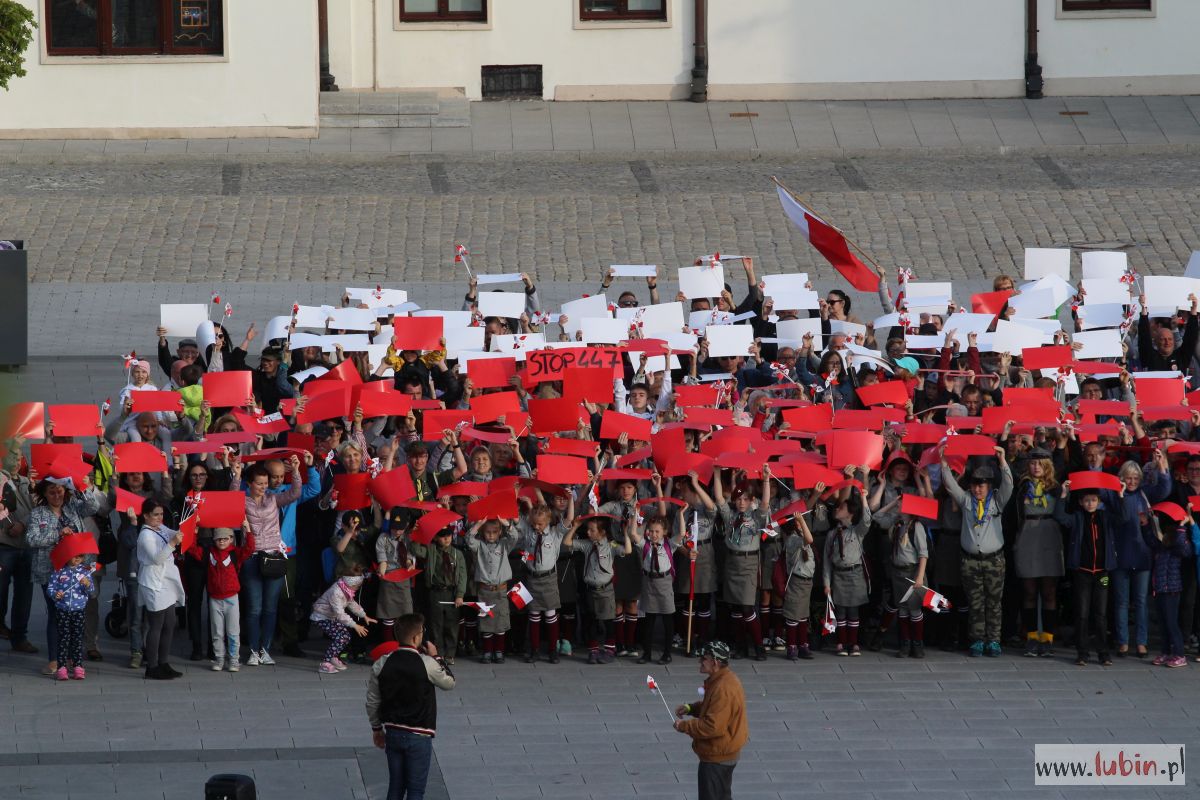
(159, 587)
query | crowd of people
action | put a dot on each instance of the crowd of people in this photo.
(630, 484)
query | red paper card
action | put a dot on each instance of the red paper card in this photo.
(392, 488)
(261, 426)
(301, 441)
(188, 529)
(923, 433)
(885, 392)
(919, 506)
(682, 463)
(1153, 392)
(1020, 394)
(1194, 502)
(344, 372)
(280, 453)
(696, 395)
(127, 500)
(615, 474)
(233, 437)
(502, 505)
(333, 404)
(490, 407)
(1157, 413)
(751, 463)
(633, 457)
(709, 416)
(783, 514)
(432, 522)
(221, 510)
(69, 466)
(352, 491)
(591, 384)
(417, 333)
(854, 448)
(76, 420)
(1046, 357)
(549, 365)
(464, 489)
(718, 447)
(666, 444)
(572, 447)
(479, 435)
(554, 415)
(156, 401)
(41, 456)
(1094, 480)
(810, 418)
(400, 575)
(26, 420)
(139, 457)
(964, 423)
(806, 476)
(435, 423)
(226, 389)
(970, 445)
(384, 404)
(563, 470)
(989, 302)
(195, 448)
(614, 423)
(491, 373)
(866, 419)
(1092, 433)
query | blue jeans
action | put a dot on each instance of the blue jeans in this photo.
(408, 758)
(51, 624)
(15, 567)
(1168, 614)
(1131, 585)
(134, 613)
(262, 607)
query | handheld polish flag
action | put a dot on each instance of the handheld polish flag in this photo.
(485, 609)
(652, 685)
(519, 595)
(934, 601)
(830, 623)
(829, 242)
(460, 257)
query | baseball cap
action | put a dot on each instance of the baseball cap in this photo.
(717, 650)
(908, 363)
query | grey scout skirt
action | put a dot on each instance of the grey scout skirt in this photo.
(544, 589)
(741, 578)
(500, 621)
(395, 600)
(849, 586)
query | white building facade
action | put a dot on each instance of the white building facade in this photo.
(138, 68)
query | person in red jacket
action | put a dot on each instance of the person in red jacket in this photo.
(222, 562)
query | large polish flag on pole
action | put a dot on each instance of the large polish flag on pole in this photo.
(829, 242)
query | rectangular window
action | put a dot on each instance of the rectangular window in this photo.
(134, 27)
(443, 10)
(600, 10)
(1107, 5)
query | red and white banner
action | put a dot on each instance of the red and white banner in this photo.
(830, 243)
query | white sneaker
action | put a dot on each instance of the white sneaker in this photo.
(265, 659)
(233, 665)
(218, 665)
(253, 660)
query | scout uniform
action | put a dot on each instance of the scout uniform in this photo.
(658, 598)
(446, 577)
(492, 574)
(909, 545)
(395, 597)
(799, 566)
(598, 565)
(541, 580)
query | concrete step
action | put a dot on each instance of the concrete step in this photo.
(416, 108)
(393, 121)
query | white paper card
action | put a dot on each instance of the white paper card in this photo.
(926, 289)
(277, 328)
(1103, 315)
(313, 316)
(516, 345)
(352, 319)
(1061, 290)
(1193, 265)
(1012, 337)
(301, 339)
(680, 340)
(459, 339)
(450, 319)
(793, 330)
(351, 343)
(382, 298)
(699, 321)
(964, 323)
(502, 304)
(795, 300)
(928, 305)
(633, 270)
(704, 281)
(181, 319)
(311, 372)
(729, 340)
(1169, 291)
(660, 318)
(1042, 261)
(1105, 264)
(375, 355)
(1101, 291)
(850, 329)
(508, 277)
(206, 335)
(889, 320)
(576, 310)
(604, 330)
(1104, 343)
(653, 363)
(1035, 304)
(781, 284)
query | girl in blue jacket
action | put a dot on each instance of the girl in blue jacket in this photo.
(1170, 539)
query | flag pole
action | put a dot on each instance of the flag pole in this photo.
(849, 241)
(658, 692)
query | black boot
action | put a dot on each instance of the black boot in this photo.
(760, 653)
(645, 658)
(666, 658)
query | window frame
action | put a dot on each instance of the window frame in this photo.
(1107, 7)
(443, 14)
(623, 14)
(106, 49)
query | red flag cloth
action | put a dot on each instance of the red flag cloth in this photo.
(332, 404)
(157, 401)
(572, 447)
(1153, 392)
(399, 575)
(225, 389)
(139, 457)
(188, 529)
(830, 243)
(855, 448)
(41, 456)
(392, 488)
(344, 372)
(885, 392)
(564, 470)
(1094, 480)
(432, 522)
(554, 415)
(695, 395)
(919, 506)
(221, 510)
(76, 419)
(417, 333)
(383, 404)
(591, 384)
(812, 418)
(1047, 357)
(970, 445)
(127, 500)
(989, 302)
(614, 423)
(26, 420)
(709, 416)
(352, 491)
(491, 373)
(464, 489)
(490, 407)
(502, 505)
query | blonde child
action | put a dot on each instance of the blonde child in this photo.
(490, 542)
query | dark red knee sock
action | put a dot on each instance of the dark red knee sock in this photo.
(802, 634)
(631, 625)
(905, 632)
(619, 632)
(917, 626)
(554, 628)
(754, 629)
(790, 630)
(535, 634)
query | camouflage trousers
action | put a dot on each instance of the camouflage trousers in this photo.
(983, 583)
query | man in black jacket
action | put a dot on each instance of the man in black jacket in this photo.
(402, 705)
(1156, 348)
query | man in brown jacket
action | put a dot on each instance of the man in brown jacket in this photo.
(719, 730)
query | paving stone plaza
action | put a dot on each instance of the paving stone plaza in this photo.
(114, 229)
